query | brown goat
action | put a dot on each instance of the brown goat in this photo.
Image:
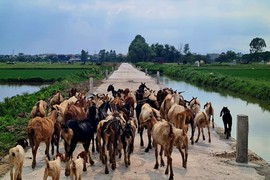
(195, 105)
(39, 109)
(146, 112)
(173, 112)
(166, 105)
(209, 110)
(181, 143)
(76, 111)
(56, 99)
(201, 121)
(98, 138)
(56, 137)
(110, 133)
(41, 130)
(162, 133)
(182, 119)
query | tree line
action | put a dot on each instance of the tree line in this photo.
(140, 51)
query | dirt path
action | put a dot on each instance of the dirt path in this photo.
(215, 160)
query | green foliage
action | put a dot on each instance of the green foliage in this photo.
(84, 55)
(257, 45)
(139, 50)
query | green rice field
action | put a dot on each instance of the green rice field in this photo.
(42, 72)
(257, 72)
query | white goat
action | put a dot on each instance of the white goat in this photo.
(16, 159)
(78, 166)
(53, 168)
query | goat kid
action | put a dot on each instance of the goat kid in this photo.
(78, 166)
(181, 143)
(16, 160)
(127, 141)
(23, 142)
(53, 168)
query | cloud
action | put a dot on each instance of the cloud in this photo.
(67, 26)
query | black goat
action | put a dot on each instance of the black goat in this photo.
(127, 140)
(73, 132)
(23, 142)
(227, 121)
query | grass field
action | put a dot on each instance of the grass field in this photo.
(256, 72)
(23, 65)
(25, 72)
(36, 73)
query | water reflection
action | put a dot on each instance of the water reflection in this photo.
(259, 117)
(13, 90)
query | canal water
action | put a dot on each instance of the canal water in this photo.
(13, 90)
(259, 119)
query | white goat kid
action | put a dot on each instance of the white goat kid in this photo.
(78, 166)
(16, 160)
(53, 168)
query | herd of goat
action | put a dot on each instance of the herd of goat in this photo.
(110, 124)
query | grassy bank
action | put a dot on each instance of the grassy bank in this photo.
(14, 112)
(249, 80)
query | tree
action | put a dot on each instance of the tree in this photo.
(186, 49)
(102, 54)
(139, 50)
(257, 45)
(226, 57)
(84, 55)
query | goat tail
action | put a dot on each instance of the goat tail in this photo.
(31, 135)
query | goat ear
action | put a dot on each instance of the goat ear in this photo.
(25, 142)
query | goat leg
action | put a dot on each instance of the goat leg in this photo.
(149, 141)
(203, 134)
(199, 132)
(161, 158)
(141, 135)
(209, 134)
(156, 155)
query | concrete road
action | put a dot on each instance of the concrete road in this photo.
(205, 160)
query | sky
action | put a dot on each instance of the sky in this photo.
(68, 26)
